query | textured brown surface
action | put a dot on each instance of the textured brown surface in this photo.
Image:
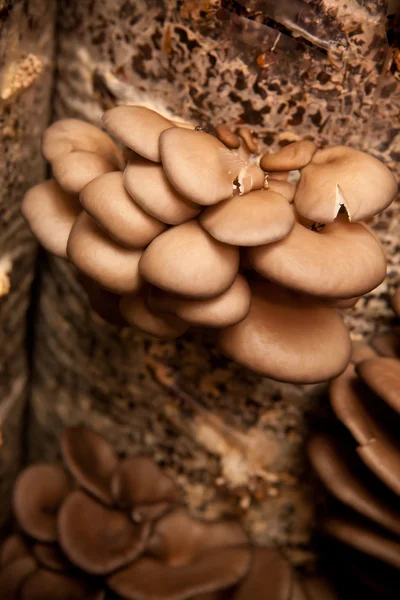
(26, 46)
(235, 440)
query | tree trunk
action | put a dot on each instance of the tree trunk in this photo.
(232, 439)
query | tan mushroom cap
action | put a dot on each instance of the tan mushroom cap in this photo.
(284, 188)
(199, 166)
(221, 311)
(149, 187)
(382, 375)
(343, 260)
(98, 539)
(99, 257)
(227, 136)
(270, 577)
(109, 204)
(38, 493)
(344, 480)
(361, 351)
(45, 585)
(13, 576)
(50, 557)
(341, 176)
(293, 156)
(13, 548)
(91, 460)
(288, 337)
(50, 213)
(137, 127)
(69, 135)
(250, 177)
(137, 313)
(387, 344)
(75, 170)
(260, 217)
(188, 261)
(250, 139)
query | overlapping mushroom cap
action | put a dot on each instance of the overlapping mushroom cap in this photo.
(173, 231)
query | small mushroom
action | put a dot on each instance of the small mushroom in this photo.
(284, 188)
(91, 460)
(13, 576)
(98, 539)
(76, 169)
(50, 213)
(260, 217)
(137, 127)
(343, 260)
(270, 577)
(293, 156)
(227, 136)
(382, 375)
(341, 176)
(188, 261)
(45, 585)
(109, 204)
(250, 139)
(136, 312)
(91, 251)
(288, 337)
(13, 548)
(38, 493)
(149, 187)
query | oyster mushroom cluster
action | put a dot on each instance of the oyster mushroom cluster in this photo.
(105, 527)
(182, 228)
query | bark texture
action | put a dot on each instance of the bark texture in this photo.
(26, 51)
(232, 439)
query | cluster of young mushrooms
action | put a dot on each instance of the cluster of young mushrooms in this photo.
(183, 228)
(106, 527)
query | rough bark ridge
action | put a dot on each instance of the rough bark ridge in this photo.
(26, 50)
(233, 440)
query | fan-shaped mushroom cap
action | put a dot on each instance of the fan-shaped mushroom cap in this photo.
(227, 136)
(91, 251)
(137, 313)
(138, 128)
(50, 213)
(91, 460)
(109, 204)
(149, 187)
(221, 311)
(70, 135)
(284, 188)
(98, 539)
(75, 170)
(150, 579)
(293, 156)
(45, 585)
(257, 218)
(343, 260)
(38, 493)
(270, 577)
(13, 548)
(13, 576)
(188, 261)
(382, 375)
(288, 337)
(341, 176)
(50, 557)
(199, 166)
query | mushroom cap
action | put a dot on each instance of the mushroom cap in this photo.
(227, 136)
(75, 170)
(149, 187)
(260, 217)
(387, 344)
(45, 585)
(341, 176)
(38, 493)
(361, 351)
(188, 261)
(50, 213)
(98, 539)
(284, 188)
(137, 127)
(91, 460)
(198, 165)
(382, 375)
(221, 311)
(250, 139)
(270, 577)
(136, 312)
(13, 548)
(250, 177)
(288, 337)
(13, 576)
(109, 204)
(343, 260)
(91, 251)
(293, 156)
(69, 135)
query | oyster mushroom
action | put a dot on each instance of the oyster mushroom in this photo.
(290, 158)
(75, 170)
(227, 136)
(136, 312)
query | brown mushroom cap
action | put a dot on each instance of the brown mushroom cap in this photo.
(45, 585)
(109, 204)
(50, 213)
(75, 170)
(221, 311)
(387, 344)
(382, 375)
(149, 187)
(343, 260)
(13, 576)
(188, 261)
(288, 337)
(91, 460)
(91, 251)
(38, 493)
(13, 548)
(137, 127)
(361, 351)
(270, 577)
(257, 218)
(98, 539)
(137, 313)
(50, 557)
(293, 156)
(198, 165)
(341, 176)
(284, 188)
(250, 139)
(227, 136)
(70, 135)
